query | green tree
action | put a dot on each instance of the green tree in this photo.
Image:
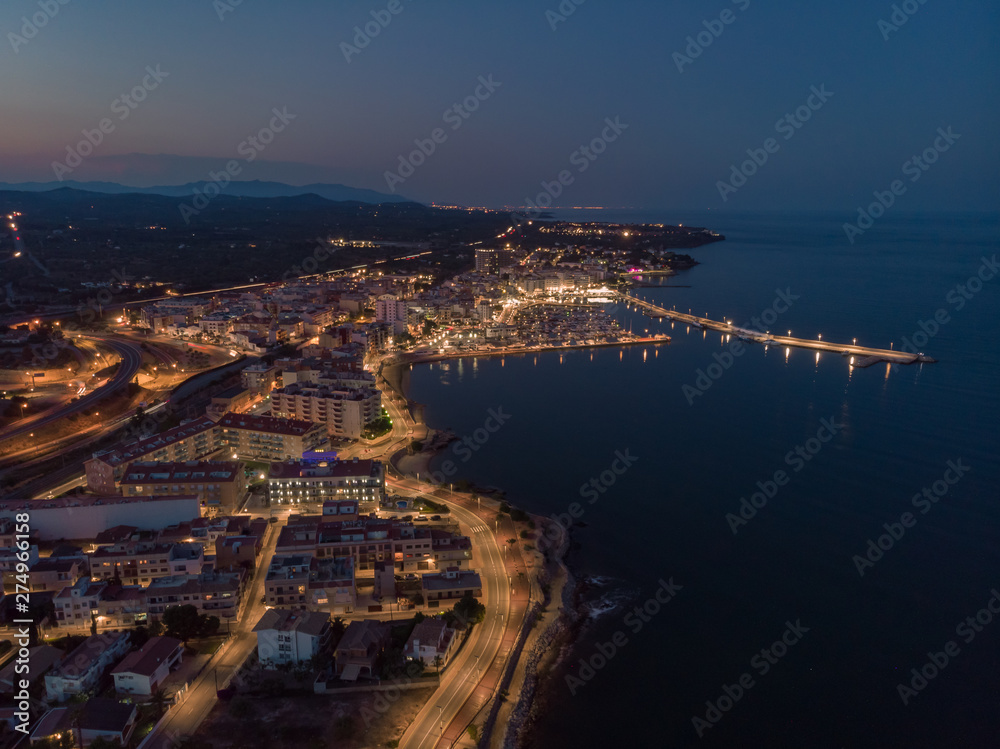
(184, 622)
(470, 610)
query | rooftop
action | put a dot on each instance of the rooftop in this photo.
(105, 715)
(270, 424)
(148, 658)
(60, 503)
(283, 620)
(151, 472)
(151, 444)
(332, 469)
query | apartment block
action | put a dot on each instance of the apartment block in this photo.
(343, 411)
(220, 485)
(269, 438)
(296, 482)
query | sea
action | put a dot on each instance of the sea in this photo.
(776, 549)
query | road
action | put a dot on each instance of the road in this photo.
(131, 360)
(184, 719)
(471, 678)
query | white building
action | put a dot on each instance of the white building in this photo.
(431, 639)
(344, 411)
(83, 667)
(392, 311)
(86, 516)
(143, 671)
(285, 636)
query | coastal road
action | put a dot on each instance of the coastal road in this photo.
(131, 360)
(472, 677)
(184, 719)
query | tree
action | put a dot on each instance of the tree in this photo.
(161, 702)
(470, 610)
(184, 622)
(337, 628)
(438, 662)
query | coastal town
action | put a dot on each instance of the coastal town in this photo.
(219, 506)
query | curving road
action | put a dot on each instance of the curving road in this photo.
(472, 677)
(131, 360)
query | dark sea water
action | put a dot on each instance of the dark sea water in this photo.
(666, 516)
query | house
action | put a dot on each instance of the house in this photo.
(55, 574)
(107, 605)
(52, 726)
(234, 552)
(213, 593)
(359, 648)
(431, 639)
(285, 636)
(84, 666)
(449, 585)
(106, 719)
(143, 671)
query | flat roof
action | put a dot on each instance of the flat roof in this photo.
(284, 620)
(190, 471)
(61, 503)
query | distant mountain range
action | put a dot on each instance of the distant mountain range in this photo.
(246, 189)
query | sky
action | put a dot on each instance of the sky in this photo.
(544, 78)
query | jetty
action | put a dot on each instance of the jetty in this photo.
(860, 356)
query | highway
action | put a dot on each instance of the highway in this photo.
(131, 360)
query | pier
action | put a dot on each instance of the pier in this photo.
(866, 355)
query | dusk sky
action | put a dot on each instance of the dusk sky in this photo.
(353, 120)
